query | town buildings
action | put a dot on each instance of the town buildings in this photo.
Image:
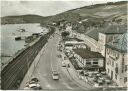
(89, 59)
(116, 60)
(73, 43)
(70, 46)
(111, 53)
(108, 35)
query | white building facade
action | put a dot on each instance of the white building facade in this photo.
(117, 61)
(108, 35)
(92, 60)
(104, 38)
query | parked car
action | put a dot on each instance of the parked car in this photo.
(103, 73)
(96, 85)
(98, 75)
(65, 58)
(63, 64)
(108, 81)
(100, 81)
(55, 75)
(33, 84)
(35, 79)
(86, 74)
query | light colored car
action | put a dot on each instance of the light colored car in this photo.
(108, 81)
(55, 75)
(33, 84)
(103, 73)
(100, 81)
(96, 85)
(63, 64)
(99, 75)
(35, 87)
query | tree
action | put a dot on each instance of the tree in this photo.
(65, 34)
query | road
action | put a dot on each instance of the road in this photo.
(43, 71)
(48, 61)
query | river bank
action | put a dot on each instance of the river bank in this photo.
(9, 46)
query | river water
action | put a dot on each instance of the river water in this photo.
(9, 46)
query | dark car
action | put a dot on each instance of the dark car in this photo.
(36, 88)
(35, 79)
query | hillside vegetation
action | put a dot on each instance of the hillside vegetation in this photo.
(95, 15)
(22, 19)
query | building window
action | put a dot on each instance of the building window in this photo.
(112, 63)
(116, 70)
(126, 68)
(116, 76)
(87, 60)
(123, 65)
(123, 61)
(88, 63)
(116, 65)
(117, 55)
(125, 79)
(95, 59)
(108, 62)
(95, 63)
(108, 51)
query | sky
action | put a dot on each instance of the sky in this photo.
(44, 7)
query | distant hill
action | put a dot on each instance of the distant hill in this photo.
(22, 19)
(98, 9)
(96, 15)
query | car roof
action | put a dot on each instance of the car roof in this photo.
(34, 85)
(55, 72)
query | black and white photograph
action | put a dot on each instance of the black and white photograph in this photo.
(64, 45)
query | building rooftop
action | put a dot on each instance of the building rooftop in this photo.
(110, 29)
(115, 29)
(120, 44)
(86, 54)
(73, 39)
(94, 34)
(69, 44)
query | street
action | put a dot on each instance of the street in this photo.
(48, 61)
